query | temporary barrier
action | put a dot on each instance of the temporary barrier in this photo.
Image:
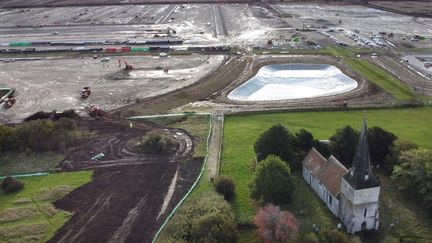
(26, 175)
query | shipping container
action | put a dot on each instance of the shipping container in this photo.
(20, 44)
(110, 49)
(125, 49)
(140, 49)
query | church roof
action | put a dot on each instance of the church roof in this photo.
(313, 161)
(328, 171)
(330, 175)
(360, 175)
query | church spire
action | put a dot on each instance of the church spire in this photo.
(360, 175)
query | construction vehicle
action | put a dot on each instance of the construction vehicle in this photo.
(128, 67)
(85, 92)
(95, 111)
(8, 102)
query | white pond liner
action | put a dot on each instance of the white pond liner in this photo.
(293, 81)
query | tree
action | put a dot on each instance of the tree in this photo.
(224, 186)
(343, 144)
(305, 140)
(272, 181)
(11, 185)
(380, 142)
(414, 175)
(331, 235)
(208, 218)
(277, 140)
(396, 149)
(275, 225)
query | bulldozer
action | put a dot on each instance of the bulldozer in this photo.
(85, 92)
(8, 102)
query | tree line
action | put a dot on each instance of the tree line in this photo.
(37, 135)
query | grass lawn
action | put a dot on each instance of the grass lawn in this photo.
(29, 215)
(373, 73)
(12, 163)
(241, 131)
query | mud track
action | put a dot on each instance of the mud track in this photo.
(123, 202)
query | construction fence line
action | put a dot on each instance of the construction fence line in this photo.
(200, 174)
(26, 175)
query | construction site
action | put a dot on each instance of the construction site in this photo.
(121, 59)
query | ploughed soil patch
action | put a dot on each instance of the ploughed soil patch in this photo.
(123, 201)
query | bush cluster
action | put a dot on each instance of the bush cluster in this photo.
(38, 135)
(156, 143)
(224, 186)
(208, 218)
(11, 185)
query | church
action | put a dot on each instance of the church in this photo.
(351, 195)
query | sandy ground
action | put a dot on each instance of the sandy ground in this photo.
(419, 7)
(231, 24)
(363, 19)
(418, 62)
(55, 84)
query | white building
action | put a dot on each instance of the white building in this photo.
(351, 195)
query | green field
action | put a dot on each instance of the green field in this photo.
(241, 131)
(29, 215)
(12, 163)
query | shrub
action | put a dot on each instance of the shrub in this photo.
(414, 175)
(275, 225)
(310, 238)
(224, 186)
(208, 218)
(11, 185)
(156, 143)
(331, 235)
(272, 181)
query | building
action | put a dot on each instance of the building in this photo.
(351, 195)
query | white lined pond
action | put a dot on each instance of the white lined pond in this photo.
(293, 81)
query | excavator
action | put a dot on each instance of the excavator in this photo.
(128, 67)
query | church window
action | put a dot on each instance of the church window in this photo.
(365, 212)
(330, 200)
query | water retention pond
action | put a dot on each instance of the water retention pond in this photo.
(293, 81)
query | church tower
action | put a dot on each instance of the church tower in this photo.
(360, 191)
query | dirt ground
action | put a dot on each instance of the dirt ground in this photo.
(123, 202)
(420, 83)
(112, 87)
(415, 8)
(211, 92)
(50, 3)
